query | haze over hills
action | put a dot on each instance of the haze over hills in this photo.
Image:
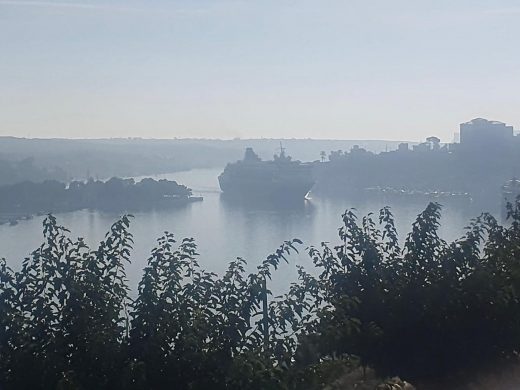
(104, 158)
(277, 195)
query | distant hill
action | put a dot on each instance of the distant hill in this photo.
(103, 158)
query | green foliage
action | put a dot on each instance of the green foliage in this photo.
(190, 327)
(430, 308)
(419, 309)
(68, 310)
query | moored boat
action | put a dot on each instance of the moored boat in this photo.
(279, 179)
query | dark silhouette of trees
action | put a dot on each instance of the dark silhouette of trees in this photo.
(114, 194)
(429, 308)
(421, 309)
(480, 173)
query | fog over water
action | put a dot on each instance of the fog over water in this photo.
(225, 230)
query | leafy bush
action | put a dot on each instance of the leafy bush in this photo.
(422, 309)
(430, 308)
(67, 316)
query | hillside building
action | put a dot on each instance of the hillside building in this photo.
(481, 134)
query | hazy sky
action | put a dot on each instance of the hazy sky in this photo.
(323, 69)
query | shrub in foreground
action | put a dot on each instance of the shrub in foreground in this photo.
(422, 309)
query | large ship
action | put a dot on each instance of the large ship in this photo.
(278, 179)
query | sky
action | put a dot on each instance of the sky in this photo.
(367, 69)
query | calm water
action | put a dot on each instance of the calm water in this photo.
(222, 230)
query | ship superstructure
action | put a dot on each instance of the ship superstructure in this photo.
(279, 179)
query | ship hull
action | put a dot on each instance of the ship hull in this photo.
(252, 188)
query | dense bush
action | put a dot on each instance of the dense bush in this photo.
(114, 194)
(427, 308)
(430, 308)
(67, 316)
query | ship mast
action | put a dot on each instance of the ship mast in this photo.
(282, 150)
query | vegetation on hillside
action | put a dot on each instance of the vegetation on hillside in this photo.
(114, 194)
(12, 172)
(425, 309)
(432, 170)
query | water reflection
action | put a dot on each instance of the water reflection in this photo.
(225, 229)
(296, 206)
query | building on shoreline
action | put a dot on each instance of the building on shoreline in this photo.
(481, 134)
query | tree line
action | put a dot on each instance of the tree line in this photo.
(422, 309)
(114, 194)
(481, 173)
